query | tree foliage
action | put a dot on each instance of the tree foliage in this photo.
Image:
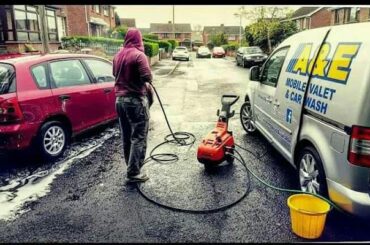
(116, 19)
(218, 39)
(119, 32)
(267, 29)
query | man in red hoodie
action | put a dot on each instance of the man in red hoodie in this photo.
(133, 99)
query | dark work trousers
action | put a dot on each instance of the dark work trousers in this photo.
(133, 114)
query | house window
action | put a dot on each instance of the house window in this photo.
(352, 14)
(52, 25)
(106, 10)
(177, 35)
(26, 23)
(336, 16)
(97, 9)
(165, 35)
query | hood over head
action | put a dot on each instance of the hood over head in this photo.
(133, 39)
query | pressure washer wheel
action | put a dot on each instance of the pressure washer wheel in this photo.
(246, 117)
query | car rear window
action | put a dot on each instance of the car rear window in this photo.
(253, 51)
(7, 79)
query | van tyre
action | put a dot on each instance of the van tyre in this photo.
(246, 118)
(52, 140)
(245, 64)
(311, 174)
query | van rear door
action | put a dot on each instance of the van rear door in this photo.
(278, 103)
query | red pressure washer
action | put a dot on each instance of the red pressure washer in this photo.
(213, 148)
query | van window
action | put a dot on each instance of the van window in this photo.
(68, 73)
(7, 79)
(39, 74)
(101, 70)
(271, 71)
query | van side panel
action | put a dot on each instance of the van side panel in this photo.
(332, 146)
(339, 90)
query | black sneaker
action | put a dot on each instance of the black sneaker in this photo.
(138, 178)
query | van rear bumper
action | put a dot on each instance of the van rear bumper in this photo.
(354, 202)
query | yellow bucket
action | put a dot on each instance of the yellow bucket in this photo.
(308, 215)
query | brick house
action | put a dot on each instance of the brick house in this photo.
(164, 31)
(89, 20)
(21, 25)
(310, 17)
(129, 22)
(232, 33)
(345, 15)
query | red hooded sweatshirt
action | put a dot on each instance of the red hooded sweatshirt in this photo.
(131, 68)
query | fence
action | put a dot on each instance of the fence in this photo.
(108, 48)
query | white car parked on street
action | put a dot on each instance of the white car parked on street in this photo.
(181, 53)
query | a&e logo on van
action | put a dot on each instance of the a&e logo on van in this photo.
(335, 69)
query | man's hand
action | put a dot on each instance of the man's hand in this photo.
(149, 93)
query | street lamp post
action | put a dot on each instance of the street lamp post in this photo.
(241, 13)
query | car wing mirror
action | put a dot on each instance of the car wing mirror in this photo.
(254, 73)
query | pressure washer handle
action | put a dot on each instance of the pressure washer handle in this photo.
(229, 102)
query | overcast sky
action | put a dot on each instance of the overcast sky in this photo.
(204, 15)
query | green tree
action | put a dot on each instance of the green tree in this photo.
(266, 20)
(119, 32)
(249, 36)
(116, 19)
(219, 39)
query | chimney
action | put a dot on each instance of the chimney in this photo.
(169, 22)
(222, 25)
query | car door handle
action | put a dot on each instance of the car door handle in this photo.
(64, 97)
(107, 90)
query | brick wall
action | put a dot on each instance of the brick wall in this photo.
(109, 19)
(179, 37)
(320, 18)
(364, 16)
(76, 18)
(20, 48)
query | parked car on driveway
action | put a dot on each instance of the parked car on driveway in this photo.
(248, 56)
(218, 52)
(311, 101)
(44, 100)
(181, 53)
(203, 52)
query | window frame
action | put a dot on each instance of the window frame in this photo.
(52, 81)
(27, 30)
(106, 9)
(336, 16)
(56, 24)
(278, 76)
(91, 74)
(45, 65)
(97, 7)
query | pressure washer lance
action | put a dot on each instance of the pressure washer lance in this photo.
(180, 138)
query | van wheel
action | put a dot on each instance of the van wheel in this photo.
(52, 140)
(246, 117)
(311, 173)
(245, 64)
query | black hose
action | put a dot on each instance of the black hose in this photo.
(181, 139)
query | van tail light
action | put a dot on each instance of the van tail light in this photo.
(359, 149)
(10, 111)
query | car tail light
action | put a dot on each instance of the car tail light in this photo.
(359, 149)
(10, 111)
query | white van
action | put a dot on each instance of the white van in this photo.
(311, 100)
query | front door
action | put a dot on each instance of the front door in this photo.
(102, 72)
(266, 106)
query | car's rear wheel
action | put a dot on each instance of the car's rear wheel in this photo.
(246, 117)
(311, 173)
(52, 140)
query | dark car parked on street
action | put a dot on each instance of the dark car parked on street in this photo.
(46, 99)
(249, 56)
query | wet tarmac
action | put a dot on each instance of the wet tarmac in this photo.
(84, 198)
